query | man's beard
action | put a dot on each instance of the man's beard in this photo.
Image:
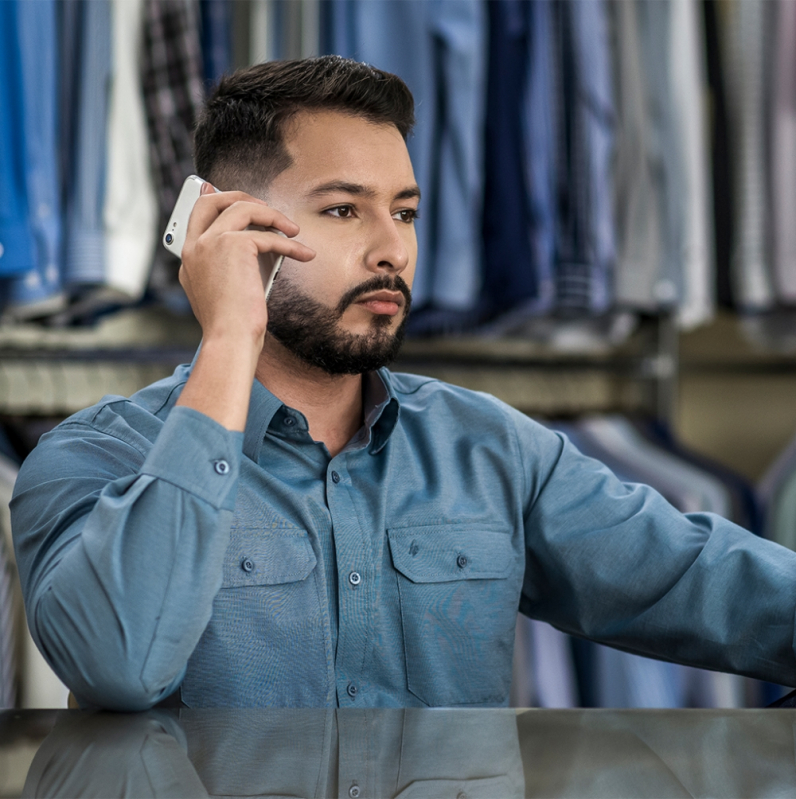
(311, 330)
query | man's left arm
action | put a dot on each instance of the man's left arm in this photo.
(616, 563)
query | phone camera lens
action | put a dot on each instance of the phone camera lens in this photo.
(169, 238)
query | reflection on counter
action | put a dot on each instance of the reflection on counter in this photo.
(732, 754)
(494, 754)
(411, 754)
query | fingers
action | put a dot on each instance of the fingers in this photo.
(267, 241)
(235, 210)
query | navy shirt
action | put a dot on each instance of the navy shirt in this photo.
(158, 551)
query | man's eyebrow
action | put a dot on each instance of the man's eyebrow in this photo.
(358, 190)
(409, 193)
(340, 186)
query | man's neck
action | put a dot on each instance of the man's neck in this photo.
(332, 404)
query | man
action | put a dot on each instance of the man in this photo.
(285, 522)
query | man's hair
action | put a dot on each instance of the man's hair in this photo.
(239, 141)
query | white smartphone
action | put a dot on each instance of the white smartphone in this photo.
(174, 237)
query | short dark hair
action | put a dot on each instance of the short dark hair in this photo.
(239, 140)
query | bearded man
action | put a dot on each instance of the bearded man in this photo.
(285, 522)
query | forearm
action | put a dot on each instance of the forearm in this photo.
(221, 380)
(119, 599)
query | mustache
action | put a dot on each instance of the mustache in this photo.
(376, 283)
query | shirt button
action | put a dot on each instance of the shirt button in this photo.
(354, 578)
(335, 477)
(461, 561)
(247, 565)
(354, 792)
(289, 421)
(351, 690)
(221, 467)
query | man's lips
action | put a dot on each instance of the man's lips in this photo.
(383, 302)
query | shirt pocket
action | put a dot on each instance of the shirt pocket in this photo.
(265, 643)
(485, 788)
(459, 593)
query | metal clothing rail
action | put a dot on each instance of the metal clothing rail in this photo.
(58, 372)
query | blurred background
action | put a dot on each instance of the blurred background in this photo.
(607, 242)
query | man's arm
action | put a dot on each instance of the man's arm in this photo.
(120, 541)
(616, 563)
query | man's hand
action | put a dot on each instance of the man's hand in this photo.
(221, 276)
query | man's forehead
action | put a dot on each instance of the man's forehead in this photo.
(330, 150)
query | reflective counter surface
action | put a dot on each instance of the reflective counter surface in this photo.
(460, 754)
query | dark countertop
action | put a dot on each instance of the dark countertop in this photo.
(399, 753)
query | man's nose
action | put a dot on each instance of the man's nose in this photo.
(388, 249)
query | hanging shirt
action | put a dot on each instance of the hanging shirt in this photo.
(84, 256)
(158, 550)
(749, 42)
(172, 80)
(17, 247)
(39, 291)
(585, 246)
(519, 152)
(130, 212)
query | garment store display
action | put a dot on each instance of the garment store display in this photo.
(84, 234)
(131, 210)
(544, 672)
(39, 291)
(216, 28)
(749, 44)
(173, 87)
(584, 106)
(520, 157)
(8, 621)
(562, 149)
(783, 153)
(16, 236)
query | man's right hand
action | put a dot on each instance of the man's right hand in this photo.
(220, 273)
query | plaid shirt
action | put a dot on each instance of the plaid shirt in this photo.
(171, 77)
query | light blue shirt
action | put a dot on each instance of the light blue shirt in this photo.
(157, 551)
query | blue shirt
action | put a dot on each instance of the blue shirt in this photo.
(16, 238)
(157, 551)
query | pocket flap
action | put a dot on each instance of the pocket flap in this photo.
(487, 788)
(262, 558)
(441, 554)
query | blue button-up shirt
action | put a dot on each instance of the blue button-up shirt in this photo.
(158, 551)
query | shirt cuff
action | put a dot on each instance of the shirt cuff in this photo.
(198, 455)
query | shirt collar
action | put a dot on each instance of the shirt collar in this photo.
(381, 413)
(382, 410)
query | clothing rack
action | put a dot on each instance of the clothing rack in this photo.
(49, 372)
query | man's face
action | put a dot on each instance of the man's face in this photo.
(352, 191)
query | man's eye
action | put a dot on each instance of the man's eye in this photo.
(407, 215)
(341, 211)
